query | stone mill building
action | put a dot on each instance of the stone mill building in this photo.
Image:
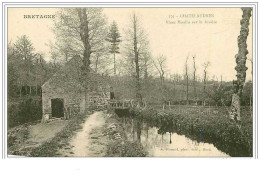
(64, 91)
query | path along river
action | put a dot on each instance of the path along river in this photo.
(80, 142)
(156, 144)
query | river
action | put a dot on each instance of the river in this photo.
(157, 145)
(173, 145)
(180, 146)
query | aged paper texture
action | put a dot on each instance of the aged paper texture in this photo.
(130, 82)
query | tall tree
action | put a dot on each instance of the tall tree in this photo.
(159, 64)
(136, 60)
(23, 50)
(85, 28)
(147, 64)
(186, 68)
(174, 79)
(62, 50)
(205, 76)
(114, 39)
(194, 78)
(12, 72)
(136, 46)
(241, 68)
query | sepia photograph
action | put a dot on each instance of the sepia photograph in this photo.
(130, 81)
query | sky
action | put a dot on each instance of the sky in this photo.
(208, 33)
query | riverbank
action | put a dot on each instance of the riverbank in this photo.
(202, 124)
(142, 133)
(102, 135)
(119, 142)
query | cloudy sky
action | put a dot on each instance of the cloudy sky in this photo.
(209, 33)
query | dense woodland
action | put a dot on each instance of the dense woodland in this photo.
(128, 63)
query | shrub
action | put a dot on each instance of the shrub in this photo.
(125, 149)
(24, 111)
(119, 145)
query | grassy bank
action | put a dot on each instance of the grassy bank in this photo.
(203, 124)
(119, 145)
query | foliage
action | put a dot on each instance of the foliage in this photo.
(18, 134)
(247, 94)
(113, 38)
(197, 124)
(27, 70)
(24, 111)
(119, 145)
(136, 53)
(175, 91)
(85, 28)
(127, 149)
(221, 95)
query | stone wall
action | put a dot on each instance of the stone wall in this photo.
(66, 85)
(75, 97)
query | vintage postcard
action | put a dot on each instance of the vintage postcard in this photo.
(130, 81)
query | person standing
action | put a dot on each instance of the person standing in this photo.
(112, 94)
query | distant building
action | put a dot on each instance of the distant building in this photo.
(64, 95)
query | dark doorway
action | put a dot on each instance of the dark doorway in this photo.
(57, 107)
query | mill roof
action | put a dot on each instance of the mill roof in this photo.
(70, 76)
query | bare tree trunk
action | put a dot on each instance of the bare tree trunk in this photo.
(85, 38)
(84, 35)
(145, 70)
(204, 88)
(136, 59)
(241, 64)
(206, 65)
(162, 91)
(138, 85)
(187, 80)
(187, 90)
(194, 79)
(174, 90)
(114, 64)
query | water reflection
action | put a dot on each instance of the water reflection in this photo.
(170, 145)
(160, 146)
